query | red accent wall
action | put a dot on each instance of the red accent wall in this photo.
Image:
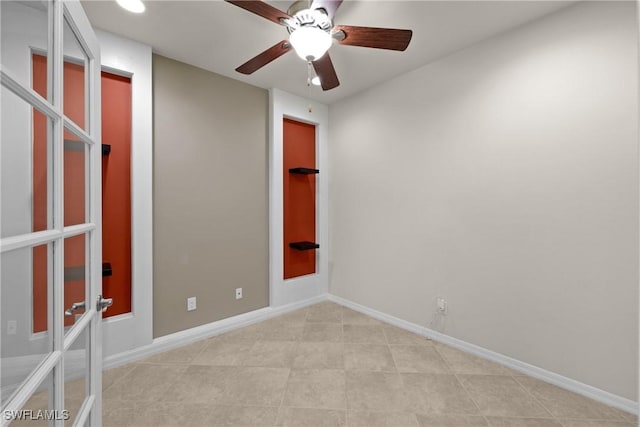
(116, 190)
(39, 197)
(299, 150)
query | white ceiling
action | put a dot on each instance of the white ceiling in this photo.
(219, 36)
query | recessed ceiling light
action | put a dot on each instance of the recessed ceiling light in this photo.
(135, 6)
(315, 81)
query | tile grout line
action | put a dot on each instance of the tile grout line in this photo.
(455, 375)
(206, 344)
(344, 371)
(558, 419)
(552, 416)
(484, 417)
(536, 399)
(304, 326)
(117, 380)
(284, 394)
(286, 388)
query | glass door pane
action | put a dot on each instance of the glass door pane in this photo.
(38, 408)
(76, 380)
(26, 167)
(76, 179)
(24, 29)
(75, 77)
(25, 326)
(76, 274)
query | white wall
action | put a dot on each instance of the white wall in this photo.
(505, 179)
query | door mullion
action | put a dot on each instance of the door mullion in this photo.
(50, 204)
(58, 205)
(94, 93)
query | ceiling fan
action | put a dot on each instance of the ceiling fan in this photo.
(311, 34)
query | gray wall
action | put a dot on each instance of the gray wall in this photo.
(503, 178)
(210, 196)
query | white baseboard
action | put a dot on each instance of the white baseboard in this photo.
(531, 370)
(179, 339)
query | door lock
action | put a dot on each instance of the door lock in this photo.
(103, 303)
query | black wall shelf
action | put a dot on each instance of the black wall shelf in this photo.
(304, 171)
(73, 274)
(304, 246)
(73, 145)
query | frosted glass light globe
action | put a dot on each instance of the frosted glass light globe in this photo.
(135, 6)
(310, 43)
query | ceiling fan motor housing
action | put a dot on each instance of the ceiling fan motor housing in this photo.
(309, 18)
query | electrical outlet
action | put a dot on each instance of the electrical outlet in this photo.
(191, 303)
(238, 293)
(441, 304)
(12, 327)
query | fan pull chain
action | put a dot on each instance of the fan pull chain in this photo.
(309, 108)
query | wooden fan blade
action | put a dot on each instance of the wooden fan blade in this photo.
(378, 38)
(326, 72)
(329, 5)
(259, 61)
(261, 8)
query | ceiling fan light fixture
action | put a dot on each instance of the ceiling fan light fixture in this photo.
(135, 6)
(310, 43)
(315, 81)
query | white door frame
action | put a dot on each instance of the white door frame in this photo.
(132, 59)
(282, 292)
(51, 369)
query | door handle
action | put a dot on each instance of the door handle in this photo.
(103, 303)
(75, 306)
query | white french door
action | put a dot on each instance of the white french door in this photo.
(50, 215)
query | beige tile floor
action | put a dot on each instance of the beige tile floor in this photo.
(327, 365)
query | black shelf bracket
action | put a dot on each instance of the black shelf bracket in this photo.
(304, 246)
(304, 171)
(106, 269)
